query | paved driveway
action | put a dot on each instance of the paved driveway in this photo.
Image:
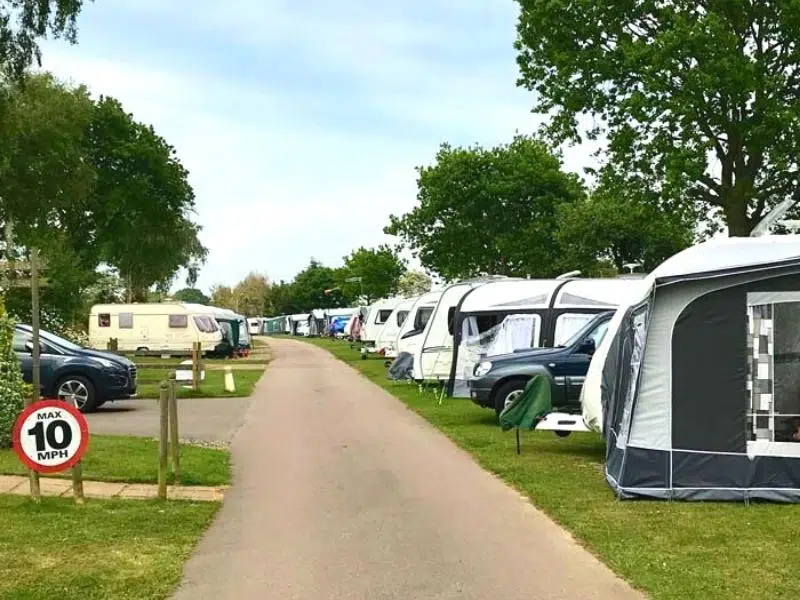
(199, 419)
(341, 492)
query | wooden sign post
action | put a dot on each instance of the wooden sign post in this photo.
(10, 279)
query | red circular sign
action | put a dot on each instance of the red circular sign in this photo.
(50, 436)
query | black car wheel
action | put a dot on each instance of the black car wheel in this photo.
(79, 388)
(507, 393)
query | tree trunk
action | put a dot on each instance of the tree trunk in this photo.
(736, 220)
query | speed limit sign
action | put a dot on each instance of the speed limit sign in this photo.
(50, 436)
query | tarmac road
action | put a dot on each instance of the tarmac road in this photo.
(340, 492)
(214, 420)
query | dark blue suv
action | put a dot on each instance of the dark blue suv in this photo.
(67, 369)
(499, 379)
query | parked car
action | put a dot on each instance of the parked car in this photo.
(499, 380)
(67, 369)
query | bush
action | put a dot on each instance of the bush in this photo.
(12, 387)
(54, 323)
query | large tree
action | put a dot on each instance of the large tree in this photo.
(222, 296)
(45, 181)
(378, 270)
(142, 203)
(413, 283)
(488, 210)
(23, 22)
(250, 294)
(192, 295)
(280, 300)
(704, 96)
(310, 284)
(621, 222)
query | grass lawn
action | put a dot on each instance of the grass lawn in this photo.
(213, 386)
(125, 550)
(135, 460)
(675, 551)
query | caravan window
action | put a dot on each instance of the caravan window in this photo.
(773, 371)
(205, 324)
(401, 317)
(422, 317)
(451, 319)
(383, 316)
(178, 321)
(104, 320)
(126, 320)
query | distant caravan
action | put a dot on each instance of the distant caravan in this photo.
(167, 327)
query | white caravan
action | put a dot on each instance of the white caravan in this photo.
(254, 325)
(153, 327)
(433, 357)
(298, 324)
(387, 340)
(377, 317)
(504, 316)
(409, 338)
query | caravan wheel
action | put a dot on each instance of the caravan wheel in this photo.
(562, 434)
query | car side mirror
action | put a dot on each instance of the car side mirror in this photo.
(587, 347)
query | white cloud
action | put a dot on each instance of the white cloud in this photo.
(307, 143)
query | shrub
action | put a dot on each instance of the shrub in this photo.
(12, 387)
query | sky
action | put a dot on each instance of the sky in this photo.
(301, 121)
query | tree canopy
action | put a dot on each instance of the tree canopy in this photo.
(142, 202)
(704, 97)
(23, 22)
(192, 295)
(379, 270)
(250, 294)
(413, 283)
(621, 222)
(488, 210)
(88, 185)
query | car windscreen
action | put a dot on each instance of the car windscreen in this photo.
(58, 341)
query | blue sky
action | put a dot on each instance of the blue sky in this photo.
(301, 121)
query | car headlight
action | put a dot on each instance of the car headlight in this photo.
(482, 369)
(107, 363)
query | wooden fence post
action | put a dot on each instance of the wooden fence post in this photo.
(196, 348)
(77, 474)
(173, 428)
(163, 439)
(113, 345)
(33, 476)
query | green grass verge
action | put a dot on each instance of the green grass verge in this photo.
(673, 551)
(135, 460)
(125, 550)
(212, 387)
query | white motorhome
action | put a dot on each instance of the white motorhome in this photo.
(387, 340)
(377, 317)
(153, 327)
(409, 338)
(501, 317)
